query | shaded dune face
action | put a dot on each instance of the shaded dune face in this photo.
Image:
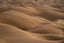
(36, 24)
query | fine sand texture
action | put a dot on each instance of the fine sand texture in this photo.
(31, 21)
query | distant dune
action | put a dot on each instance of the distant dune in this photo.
(31, 21)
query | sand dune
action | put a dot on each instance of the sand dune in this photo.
(43, 23)
(11, 34)
(42, 11)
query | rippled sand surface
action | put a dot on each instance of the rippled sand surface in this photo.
(31, 21)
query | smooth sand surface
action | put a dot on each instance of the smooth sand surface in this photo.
(43, 23)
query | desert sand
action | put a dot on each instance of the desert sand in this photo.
(31, 21)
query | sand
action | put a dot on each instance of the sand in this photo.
(43, 23)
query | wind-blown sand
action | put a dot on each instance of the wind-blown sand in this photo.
(26, 24)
